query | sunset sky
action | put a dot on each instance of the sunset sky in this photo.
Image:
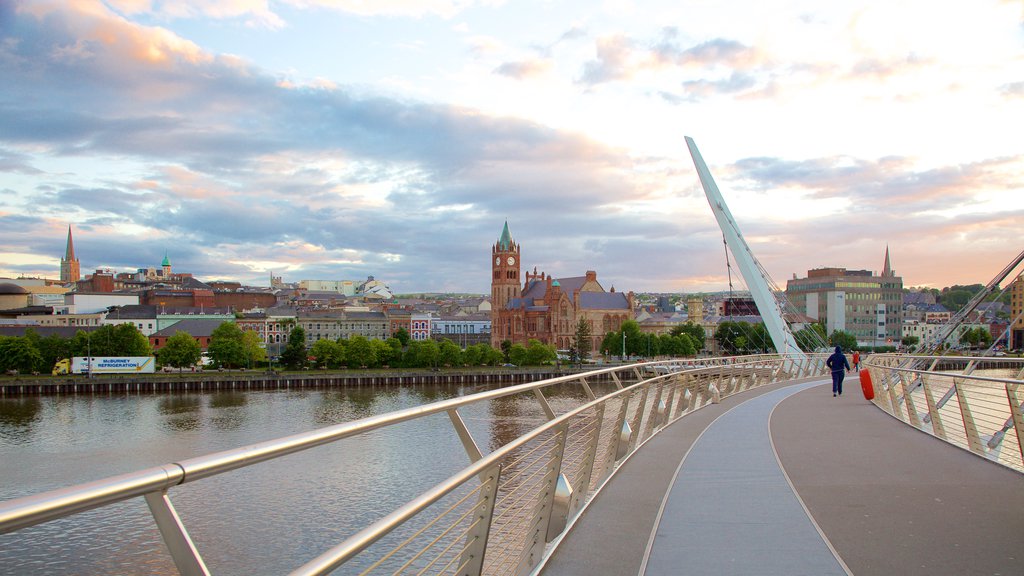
(337, 139)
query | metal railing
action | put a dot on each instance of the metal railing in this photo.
(971, 402)
(498, 515)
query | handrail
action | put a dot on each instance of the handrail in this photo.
(590, 440)
(972, 402)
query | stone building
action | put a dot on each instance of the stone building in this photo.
(547, 308)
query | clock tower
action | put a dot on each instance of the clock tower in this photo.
(505, 280)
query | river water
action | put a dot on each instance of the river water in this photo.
(265, 519)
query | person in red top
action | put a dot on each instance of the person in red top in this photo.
(856, 360)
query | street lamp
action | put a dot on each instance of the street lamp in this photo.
(623, 345)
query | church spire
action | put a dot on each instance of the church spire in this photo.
(70, 268)
(887, 269)
(505, 242)
(69, 252)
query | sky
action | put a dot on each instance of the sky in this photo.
(340, 139)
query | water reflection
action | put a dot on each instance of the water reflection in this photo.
(182, 412)
(228, 410)
(324, 494)
(17, 415)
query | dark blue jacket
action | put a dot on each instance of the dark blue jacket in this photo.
(837, 361)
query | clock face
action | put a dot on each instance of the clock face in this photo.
(511, 260)
(497, 260)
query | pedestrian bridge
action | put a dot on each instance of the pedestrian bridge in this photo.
(742, 465)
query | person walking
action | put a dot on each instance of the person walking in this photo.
(837, 363)
(856, 360)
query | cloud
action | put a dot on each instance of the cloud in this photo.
(1013, 89)
(259, 12)
(620, 58)
(524, 70)
(221, 162)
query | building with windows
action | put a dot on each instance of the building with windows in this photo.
(856, 301)
(1017, 313)
(334, 325)
(545, 308)
(464, 330)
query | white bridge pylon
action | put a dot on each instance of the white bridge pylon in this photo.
(753, 273)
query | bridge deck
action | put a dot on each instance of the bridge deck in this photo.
(883, 498)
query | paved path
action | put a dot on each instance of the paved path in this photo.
(731, 509)
(888, 499)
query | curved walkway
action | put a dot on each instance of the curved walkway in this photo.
(708, 496)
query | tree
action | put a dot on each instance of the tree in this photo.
(910, 341)
(360, 353)
(395, 358)
(181, 350)
(693, 330)
(581, 341)
(843, 339)
(111, 340)
(449, 353)
(810, 337)
(254, 351)
(727, 334)
(227, 347)
(51, 349)
(538, 354)
(403, 336)
(489, 356)
(609, 343)
(473, 355)
(422, 354)
(294, 354)
(517, 355)
(18, 353)
(976, 337)
(327, 353)
(384, 352)
(506, 350)
(760, 340)
(635, 344)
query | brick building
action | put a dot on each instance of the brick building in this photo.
(547, 308)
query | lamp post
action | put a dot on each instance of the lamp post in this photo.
(623, 345)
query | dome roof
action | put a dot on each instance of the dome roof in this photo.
(8, 288)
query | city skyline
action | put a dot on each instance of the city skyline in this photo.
(393, 139)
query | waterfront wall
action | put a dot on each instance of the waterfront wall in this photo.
(204, 381)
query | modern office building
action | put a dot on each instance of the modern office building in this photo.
(856, 301)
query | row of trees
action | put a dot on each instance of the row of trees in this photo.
(685, 340)
(33, 353)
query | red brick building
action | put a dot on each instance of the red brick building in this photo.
(545, 308)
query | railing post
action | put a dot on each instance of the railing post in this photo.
(476, 549)
(184, 553)
(619, 446)
(894, 404)
(915, 418)
(683, 396)
(933, 410)
(637, 418)
(472, 450)
(654, 416)
(589, 461)
(1016, 414)
(543, 512)
(973, 441)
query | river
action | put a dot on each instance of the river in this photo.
(264, 519)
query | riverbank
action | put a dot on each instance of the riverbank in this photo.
(263, 380)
